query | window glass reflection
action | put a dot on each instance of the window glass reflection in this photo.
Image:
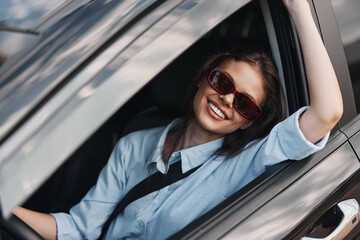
(25, 13)
(12, 43)
(348, 19)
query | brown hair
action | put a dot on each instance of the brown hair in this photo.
(273, 108)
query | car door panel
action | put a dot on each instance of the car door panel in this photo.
(350, 189)
(355, 142)
(312, 227)
(352, 130)
(352, 127)
(286, 210)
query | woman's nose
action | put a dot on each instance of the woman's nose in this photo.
(228, 99)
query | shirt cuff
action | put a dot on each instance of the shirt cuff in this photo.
(297, 146)
(65, 226)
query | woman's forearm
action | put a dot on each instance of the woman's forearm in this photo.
(43, 224)
(326, 105)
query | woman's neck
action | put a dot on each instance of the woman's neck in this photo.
(195, 135)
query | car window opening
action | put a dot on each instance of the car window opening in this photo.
(156, 104)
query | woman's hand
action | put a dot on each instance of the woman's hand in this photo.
(326, 105)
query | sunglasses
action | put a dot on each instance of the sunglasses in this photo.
(223, 84)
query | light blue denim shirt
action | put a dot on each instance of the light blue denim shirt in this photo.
(163, 213)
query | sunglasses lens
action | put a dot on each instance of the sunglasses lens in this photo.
(245, 106)
(224, 85)
(220, 82)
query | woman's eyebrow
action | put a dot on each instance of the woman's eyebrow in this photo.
(232, 79)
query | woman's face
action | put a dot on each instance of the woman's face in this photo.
(247, 79)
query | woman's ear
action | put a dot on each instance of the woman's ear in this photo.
(246, 124)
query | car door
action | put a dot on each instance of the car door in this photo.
(156, 39)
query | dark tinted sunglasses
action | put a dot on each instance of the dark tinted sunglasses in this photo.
(223, 84)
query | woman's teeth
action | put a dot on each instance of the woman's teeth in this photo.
(216, 110)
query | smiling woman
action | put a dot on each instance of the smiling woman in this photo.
(226, 118)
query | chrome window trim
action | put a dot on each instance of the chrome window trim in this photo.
(270, 30)
(62, 11)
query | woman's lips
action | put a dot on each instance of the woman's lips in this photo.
(215, 111)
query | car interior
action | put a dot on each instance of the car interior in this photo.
(156, 104)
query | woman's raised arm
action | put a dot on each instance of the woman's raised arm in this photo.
(326, 106)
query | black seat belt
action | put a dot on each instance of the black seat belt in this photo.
(150, 184)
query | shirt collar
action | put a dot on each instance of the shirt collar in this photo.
(190, 157)
(197, 155)
(156, 156)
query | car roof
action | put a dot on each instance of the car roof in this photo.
(29, 15)
(62, 49)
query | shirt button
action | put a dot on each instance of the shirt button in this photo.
(141, 224)
(155, 202)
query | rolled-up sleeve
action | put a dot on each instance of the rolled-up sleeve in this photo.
(286, 141)
(66, 227)
(292, 139)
